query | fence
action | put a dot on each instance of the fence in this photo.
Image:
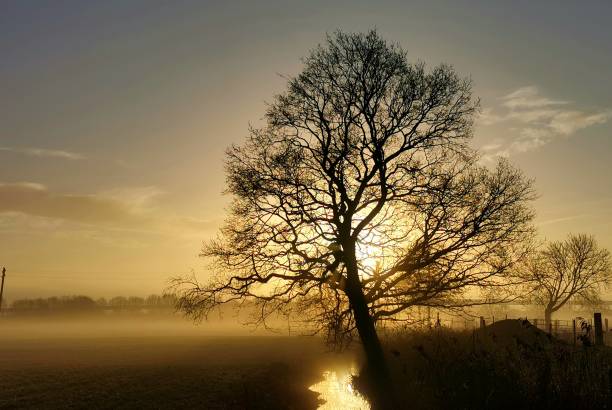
(570, 331)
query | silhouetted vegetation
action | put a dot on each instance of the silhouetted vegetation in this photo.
(62, 303)
(576, 268)
(79, 304)
(357, 203)
(360, 198)
(508, 365)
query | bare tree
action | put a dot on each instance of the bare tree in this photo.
(566, 270)
(359, 199)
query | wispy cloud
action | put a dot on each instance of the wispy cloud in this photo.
(35, 199)
(529, 97)
(138, 197)
(562, 219)
(127, 210)
(536, 120)
(44, 153)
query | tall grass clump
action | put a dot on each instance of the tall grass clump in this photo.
(508, 365)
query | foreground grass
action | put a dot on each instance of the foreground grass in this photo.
(153, 387)
(158, 371)
(509, 365)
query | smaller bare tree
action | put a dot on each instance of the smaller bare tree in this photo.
(567, 270)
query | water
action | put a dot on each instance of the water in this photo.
(338, 392)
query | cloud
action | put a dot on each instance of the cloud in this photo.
(489, 117)
(44, 153)
(568, 122)
(528, 97)
(122, 210)
(139, 197)
(535, 120)
(35, 199)
(562, 219)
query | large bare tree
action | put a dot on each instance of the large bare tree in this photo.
(359, 198)
(574, 268)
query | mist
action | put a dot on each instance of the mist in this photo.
(130, 360)
(310, 206)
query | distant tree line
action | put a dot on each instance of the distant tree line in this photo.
(81, 303)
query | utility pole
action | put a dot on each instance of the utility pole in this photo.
(2, 286)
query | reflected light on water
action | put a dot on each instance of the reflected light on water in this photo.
(338, 392)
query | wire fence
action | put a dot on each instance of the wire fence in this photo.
(574, 331)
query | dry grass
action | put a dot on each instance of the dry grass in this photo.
(505, 366)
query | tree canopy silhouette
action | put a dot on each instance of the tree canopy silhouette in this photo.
(564, 270)
(360, 198)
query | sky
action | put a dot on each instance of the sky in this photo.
(114, 118)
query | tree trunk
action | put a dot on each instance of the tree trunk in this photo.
(378, 373)
(547, 318)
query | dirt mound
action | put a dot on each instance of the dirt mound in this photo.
(512, 331)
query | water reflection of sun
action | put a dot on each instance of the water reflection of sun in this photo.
(337, 391)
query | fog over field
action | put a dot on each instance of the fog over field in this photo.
(138, 362)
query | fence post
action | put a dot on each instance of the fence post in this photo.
(2, 287)
(473, 340)
(574, 330)
(482, 322)
(598, 329)
(606, 323)
(549, 328)
(535, 322)
(288, 325)
(556, 326)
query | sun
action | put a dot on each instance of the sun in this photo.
(370, 254)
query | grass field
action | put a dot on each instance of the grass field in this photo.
(64, 365)
(156, 364)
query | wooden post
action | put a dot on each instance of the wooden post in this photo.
(556, 326)
(574, 330)
(549, 328)
(606, 323)
(535, 322)
(2, 287)
(598, 329)
(482, 322)
(288, 325)
(473, 340)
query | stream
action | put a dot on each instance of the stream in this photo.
(337, 390)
